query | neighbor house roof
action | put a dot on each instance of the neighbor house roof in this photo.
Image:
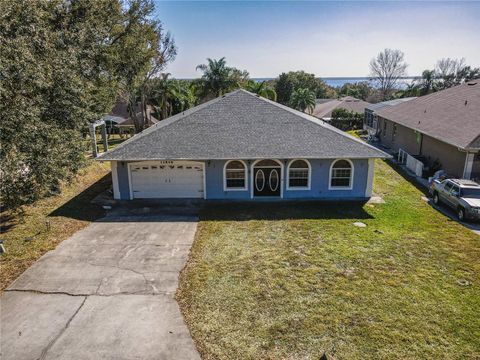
(383, 104)
(241, 125)
(325, 107)
(451, 115)
(121, 116)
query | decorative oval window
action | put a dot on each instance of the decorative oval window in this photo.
(259, 180)
(273, 180)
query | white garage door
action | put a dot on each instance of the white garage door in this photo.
(167, 179)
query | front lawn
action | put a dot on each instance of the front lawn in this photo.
(51, 220)
(292, 281)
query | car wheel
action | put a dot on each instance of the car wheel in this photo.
(461, 214)
(436, 200)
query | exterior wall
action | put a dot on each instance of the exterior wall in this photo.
(452, 159)
(214, 182)
(404, 138)
(121, 170)
(320, 177)
(476, 167)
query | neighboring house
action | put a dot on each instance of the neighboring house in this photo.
(324, 107)
(370, 122)
(443, 127)
(242, 146)
(121, 118)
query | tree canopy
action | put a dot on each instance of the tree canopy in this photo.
(62, 66)
(387, 68)
(287, 83)
(303, 99)
(218, 78)
(446, 73)
(261, 88)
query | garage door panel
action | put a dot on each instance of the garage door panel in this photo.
(177, 180)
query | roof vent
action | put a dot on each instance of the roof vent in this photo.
(466, 102)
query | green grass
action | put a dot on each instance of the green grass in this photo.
(297, 280)
(26, 236)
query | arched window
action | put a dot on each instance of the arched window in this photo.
(235, 175)
(299, 175)
(341, 175)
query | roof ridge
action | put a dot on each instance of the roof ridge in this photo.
(315, 120)
(144, 135)
(165, 122)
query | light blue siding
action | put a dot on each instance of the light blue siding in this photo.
(320, 172)
(214, 183)
(320, 178)
(319, 182)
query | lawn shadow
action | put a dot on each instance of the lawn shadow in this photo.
(288, 210)
(80, 207)
(7, 221)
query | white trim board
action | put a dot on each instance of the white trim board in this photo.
(282, 176)
(352, 177)
(225, 188)
(298, 188)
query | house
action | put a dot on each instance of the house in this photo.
(120, 117)
(370, 122)
(325, 107)
(241, 146)
(440, 130)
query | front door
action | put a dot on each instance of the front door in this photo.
(266, 181)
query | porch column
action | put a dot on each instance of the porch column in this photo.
(467, 169)
(94, 141)
(104, 137)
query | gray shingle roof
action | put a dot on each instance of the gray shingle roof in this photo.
(383, 104)
(241, 125)
(451, 115)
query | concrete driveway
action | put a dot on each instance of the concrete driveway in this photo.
(107, 292)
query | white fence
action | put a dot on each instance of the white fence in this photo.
(411, 163)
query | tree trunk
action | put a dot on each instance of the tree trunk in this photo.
(138, 123)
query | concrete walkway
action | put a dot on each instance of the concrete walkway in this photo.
(107, 292)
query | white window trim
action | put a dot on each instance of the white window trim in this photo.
(293, 188)
(252, 170)
(245, 187)
(352, 176)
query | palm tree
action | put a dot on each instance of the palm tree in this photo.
(184, 96)
(164, 94)
(262, 89)
(218, 78)
(428, 82)
(303, 99)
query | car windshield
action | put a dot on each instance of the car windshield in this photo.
(471, 192)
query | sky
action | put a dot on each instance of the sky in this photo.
(329, 39)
